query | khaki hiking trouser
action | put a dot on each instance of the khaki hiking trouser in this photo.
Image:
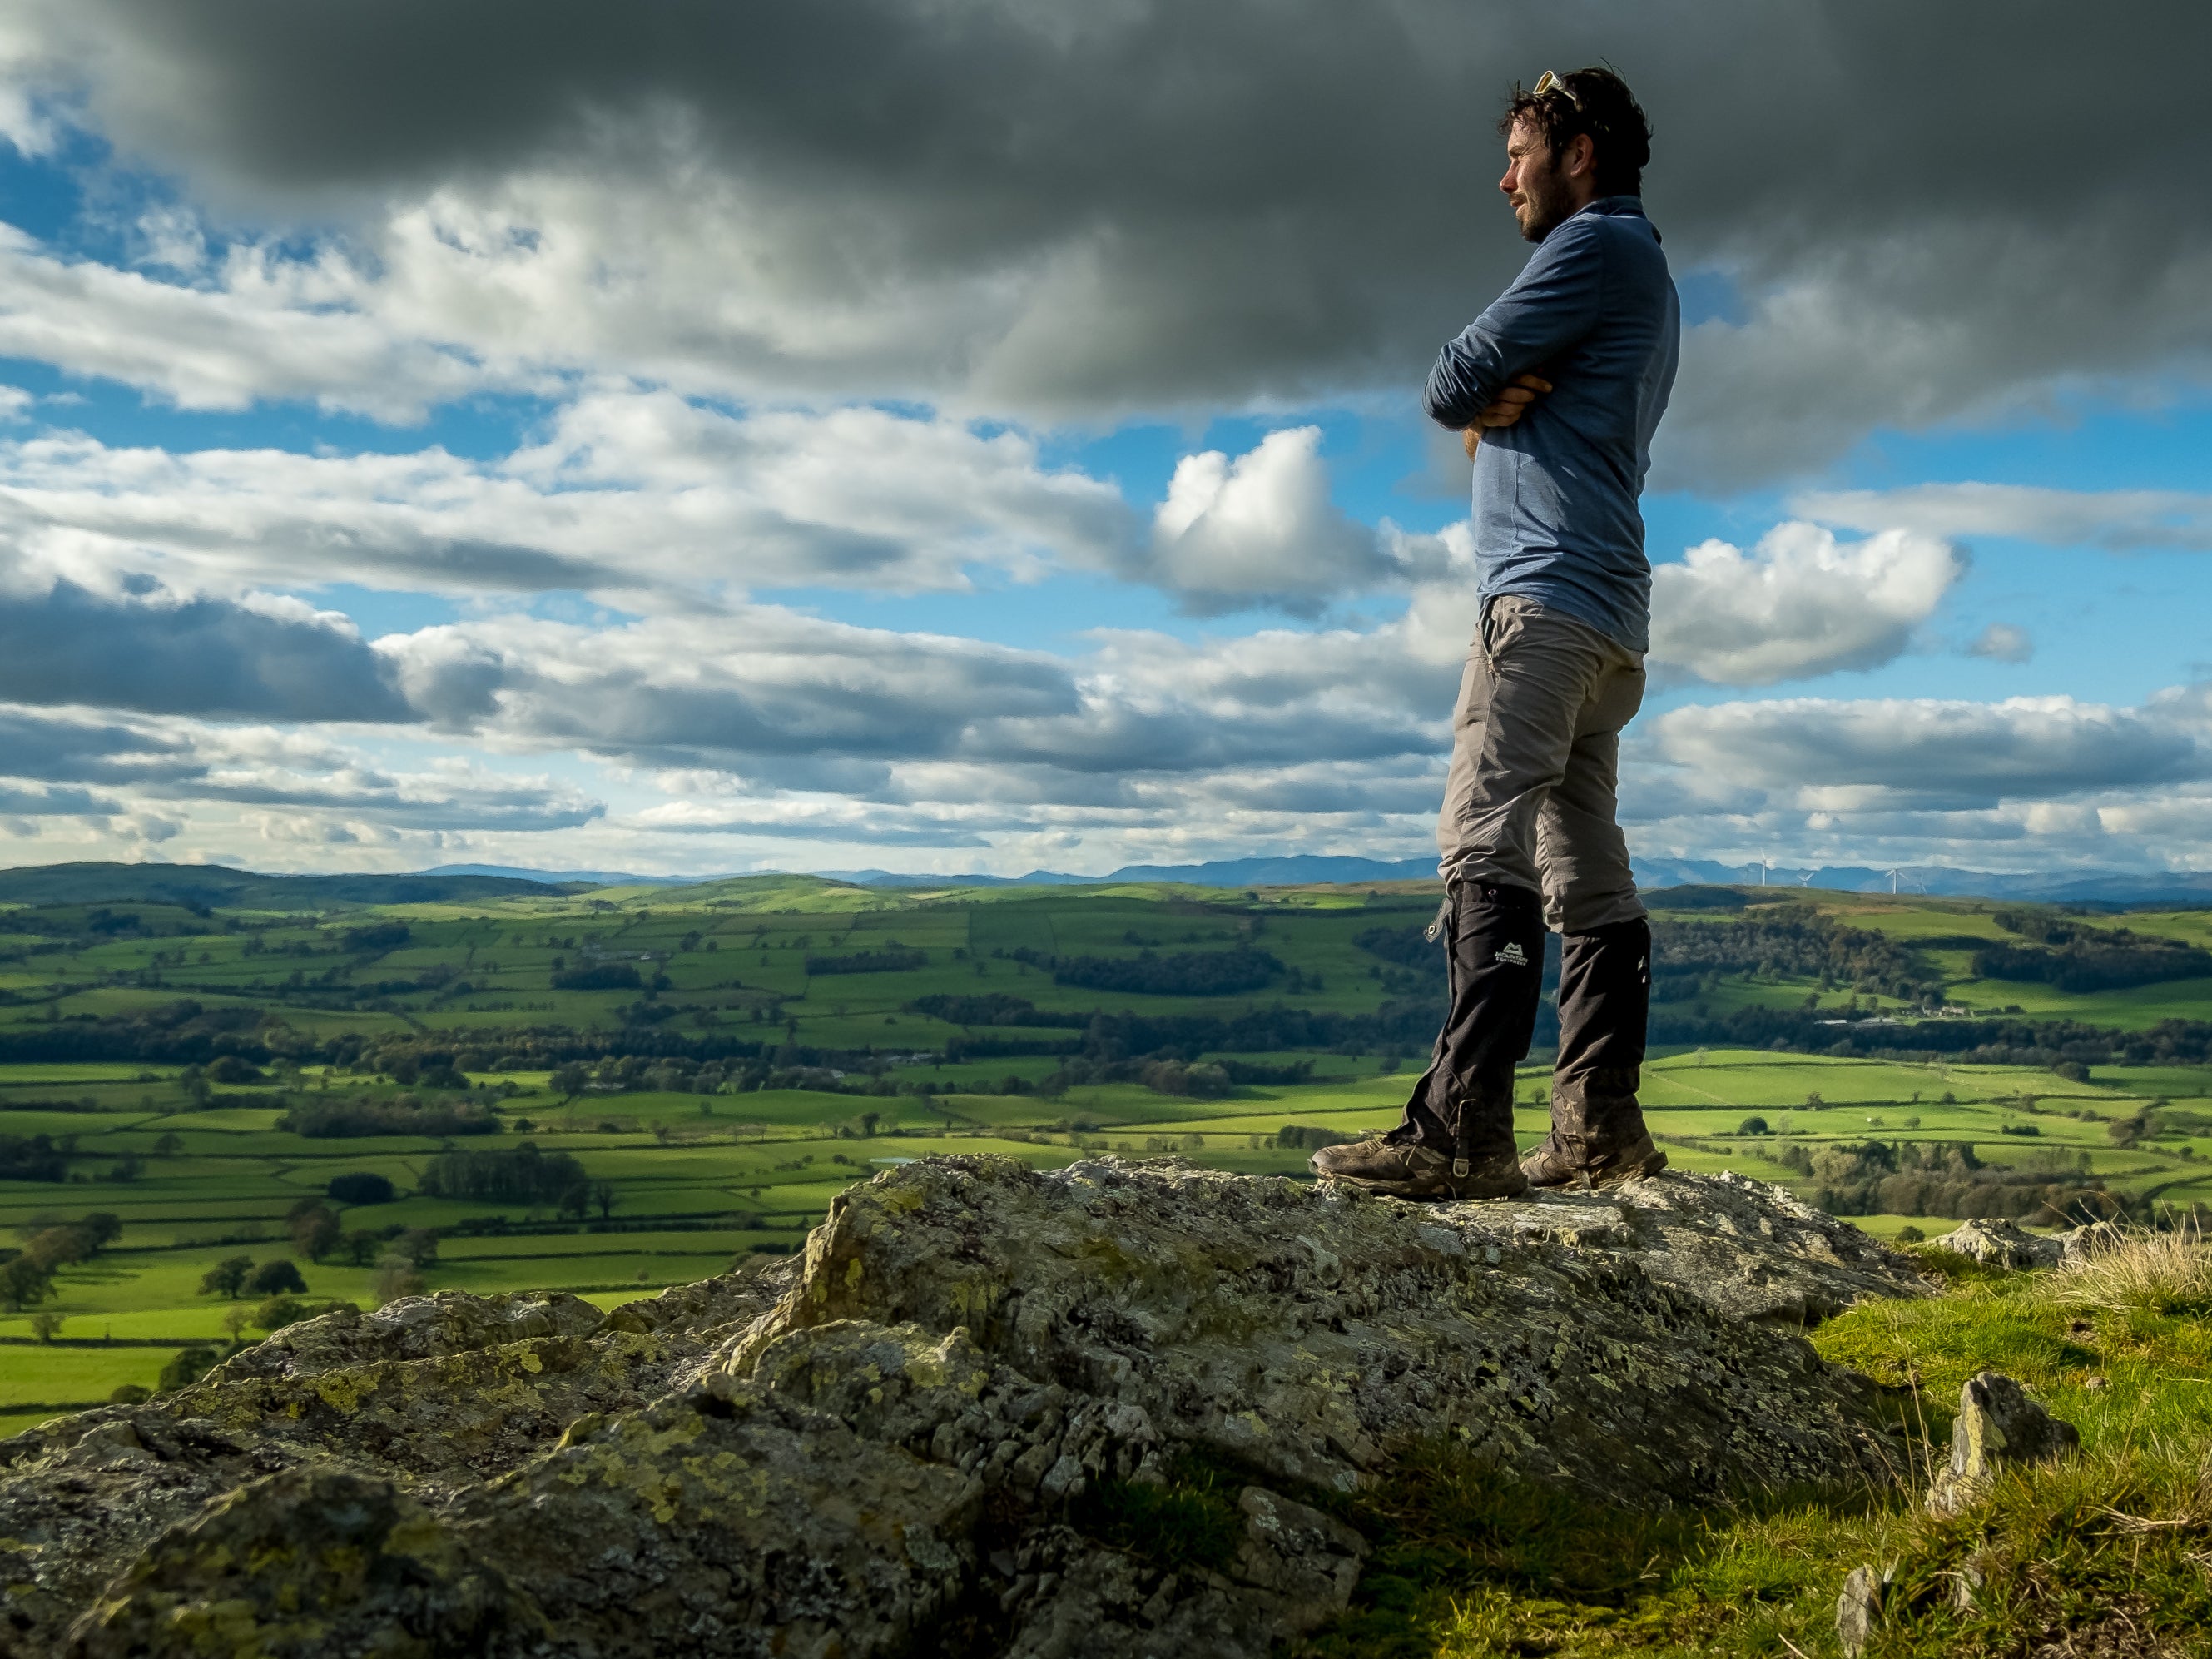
(1530, 799)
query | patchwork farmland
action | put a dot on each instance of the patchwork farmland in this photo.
(609, 1091)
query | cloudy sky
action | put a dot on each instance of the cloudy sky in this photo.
(984, 435)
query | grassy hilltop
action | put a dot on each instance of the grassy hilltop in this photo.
(227, 1099)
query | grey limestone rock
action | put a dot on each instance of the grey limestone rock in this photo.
(1309, 1331)
(903, 1440)
(415, 1328)
(2079, 1244)
(1998, 1426)
(2001, 1244)
(1741, 1247)
(1998, 1243)
(1858, 1609)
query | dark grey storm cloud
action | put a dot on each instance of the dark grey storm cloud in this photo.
(843, 709)
(45, 760)
(504, 805)
(1931, 209)
(60, 750)
(195, 656)
(20, 803)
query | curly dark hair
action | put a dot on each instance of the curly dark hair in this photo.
(1598, 102)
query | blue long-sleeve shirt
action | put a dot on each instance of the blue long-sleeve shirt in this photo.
(1595, 312)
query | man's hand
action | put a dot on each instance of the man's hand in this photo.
(1512, 404)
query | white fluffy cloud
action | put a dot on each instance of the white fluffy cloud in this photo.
(1886, 753)
(822, 735)
(2028, 782)
(265, 325)
(1800, 604)
(629, 492)
(1261, 527)
(760, 725)
(654, 499)
(132, 773)
(2122, 520)
(830, 705)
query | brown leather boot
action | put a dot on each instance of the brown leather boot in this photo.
(1403, 1168)
(1596, 1138)
(1560, 1160)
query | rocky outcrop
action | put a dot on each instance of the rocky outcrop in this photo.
(1742, 1248)
(1996, 1242)
(1113, 1409)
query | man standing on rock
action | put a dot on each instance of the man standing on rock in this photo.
(1556, 390)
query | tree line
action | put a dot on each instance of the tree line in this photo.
(1937, 1178)
(1184, 973)
(2078, 958)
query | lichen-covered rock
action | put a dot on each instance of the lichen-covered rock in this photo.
(1997, 1427)
(1743, 1248)
(1998, 1243)
(910, 1439)
(80, 1495)
(1293, 1568)
(305, 1563)
(1310, 1331)
(415, 1328)
(711, 1304)
(2079, 1244)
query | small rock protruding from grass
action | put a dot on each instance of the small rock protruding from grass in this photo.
(1858, 1609)
(1998, 1426)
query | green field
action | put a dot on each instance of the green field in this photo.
(767, 1049)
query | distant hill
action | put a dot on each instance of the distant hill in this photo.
(2059, 886)
(1296, 870)
(894, 878)
(558, 878)
(2050, 886)
(211, 885)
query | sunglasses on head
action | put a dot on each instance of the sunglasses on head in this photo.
(1548, 83)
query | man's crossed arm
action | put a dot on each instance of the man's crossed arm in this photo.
(1557, 300)
(1512, 402)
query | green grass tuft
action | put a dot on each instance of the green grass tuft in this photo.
(1189, 1520)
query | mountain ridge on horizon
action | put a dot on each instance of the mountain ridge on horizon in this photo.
(215, 884)
(2089, 884)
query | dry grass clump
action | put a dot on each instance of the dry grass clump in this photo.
(2138, 1267)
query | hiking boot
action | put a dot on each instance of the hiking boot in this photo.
(1573, 1160)
(1405, 1168)
(1597, 1133)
